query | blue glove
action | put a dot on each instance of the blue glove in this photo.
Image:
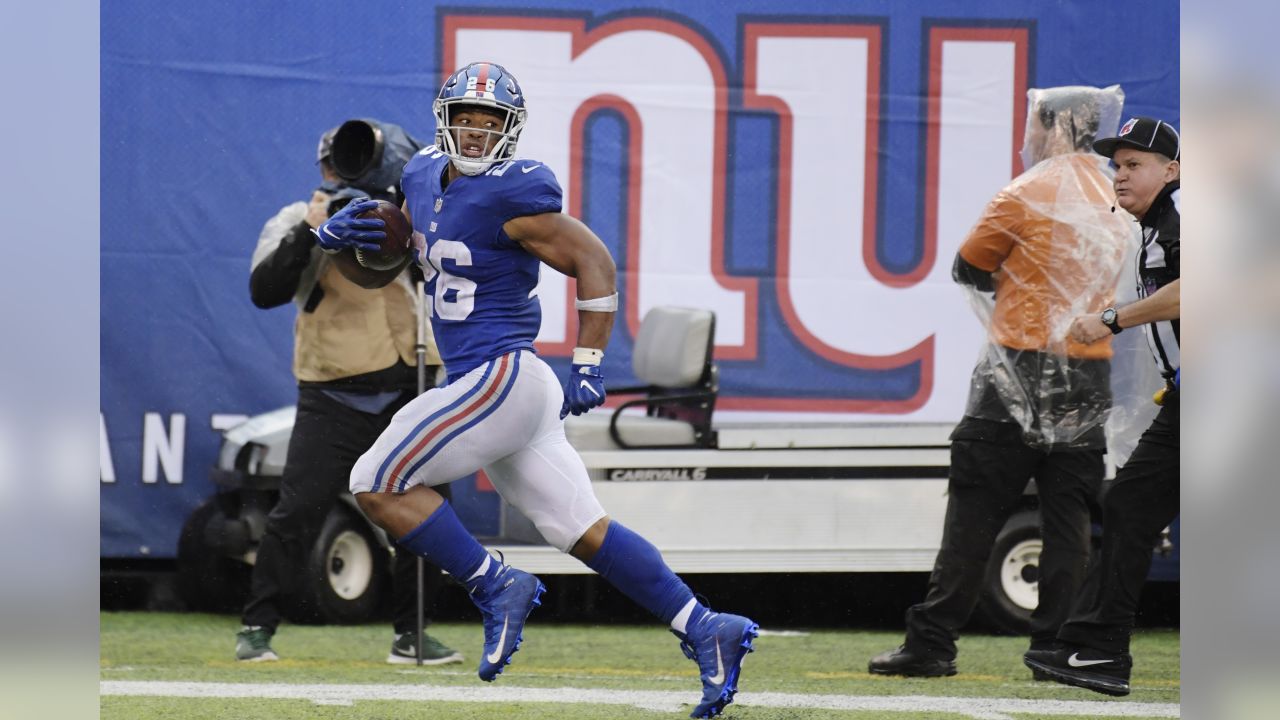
(583, 390)
(345, 230)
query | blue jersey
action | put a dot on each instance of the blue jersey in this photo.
(481, 285)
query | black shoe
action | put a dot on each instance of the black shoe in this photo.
(902, 661)
(1106, 673)
(1042, 645)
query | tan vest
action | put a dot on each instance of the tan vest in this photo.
(355, 331)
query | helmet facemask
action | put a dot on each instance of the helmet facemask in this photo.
(497, 145)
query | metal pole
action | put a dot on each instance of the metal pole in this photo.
(421, 351)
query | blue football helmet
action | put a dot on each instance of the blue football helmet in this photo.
(492, 88)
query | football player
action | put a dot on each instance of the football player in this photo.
(483, 221)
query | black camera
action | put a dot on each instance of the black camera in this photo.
(370, 155)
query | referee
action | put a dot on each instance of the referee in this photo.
(1144, 499)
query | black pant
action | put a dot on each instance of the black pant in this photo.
(328, 437)
(1141, 503)
(987, 480)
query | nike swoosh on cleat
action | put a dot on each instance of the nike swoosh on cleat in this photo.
(531, 168)
(590, 389)
(718, 678)
(496, 655)
(1074, 661)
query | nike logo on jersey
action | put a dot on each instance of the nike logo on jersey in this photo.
(1075, 661)
(589, 389)
(531, 168)
(718, 678)
(496, 655)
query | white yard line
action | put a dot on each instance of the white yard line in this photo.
(975, 707)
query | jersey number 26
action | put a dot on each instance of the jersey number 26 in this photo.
(445, 305)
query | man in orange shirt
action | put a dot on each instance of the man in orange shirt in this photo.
(1050, 248)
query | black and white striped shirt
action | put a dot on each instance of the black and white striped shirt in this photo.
(1158, 266)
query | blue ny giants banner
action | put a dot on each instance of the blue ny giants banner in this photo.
(805, 169)
(848, 309)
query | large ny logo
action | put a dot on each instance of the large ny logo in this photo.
(824, 85)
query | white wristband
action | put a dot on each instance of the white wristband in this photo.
(587, 356)
(608, 303)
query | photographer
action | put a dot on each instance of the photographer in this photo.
(354, 360)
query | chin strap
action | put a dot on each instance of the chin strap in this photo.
(471, 168)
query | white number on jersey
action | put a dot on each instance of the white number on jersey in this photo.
(464, 300)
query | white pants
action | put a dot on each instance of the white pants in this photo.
(504, 417)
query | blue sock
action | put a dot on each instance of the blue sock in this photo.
(634, 566)
(442, 540)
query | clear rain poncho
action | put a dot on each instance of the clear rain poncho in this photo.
(1056, 250)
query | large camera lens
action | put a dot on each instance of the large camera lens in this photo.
(370, 155)
(357, 149)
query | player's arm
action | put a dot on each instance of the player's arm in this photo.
(1163, 304)
(567, 245)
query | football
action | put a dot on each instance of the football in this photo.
(372, 270)
(396, 244)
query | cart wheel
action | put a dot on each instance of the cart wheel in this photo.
(208, 580)
(1011, 587)
(345, 573)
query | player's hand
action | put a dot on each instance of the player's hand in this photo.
(345, 230)
(318, 208)
(583, 390)
(1089, 329)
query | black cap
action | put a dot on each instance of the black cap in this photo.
(1143, 133)
(325, 148)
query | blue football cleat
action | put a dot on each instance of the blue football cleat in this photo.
(718, 643)
(505, 601)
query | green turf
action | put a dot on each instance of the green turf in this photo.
(199, 648)
(169, 708)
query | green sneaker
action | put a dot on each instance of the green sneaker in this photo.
(253, 644)
(434, 652)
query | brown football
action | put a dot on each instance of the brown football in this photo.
(377, 269)
(395, 246)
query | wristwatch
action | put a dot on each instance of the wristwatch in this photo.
(1109, 319)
